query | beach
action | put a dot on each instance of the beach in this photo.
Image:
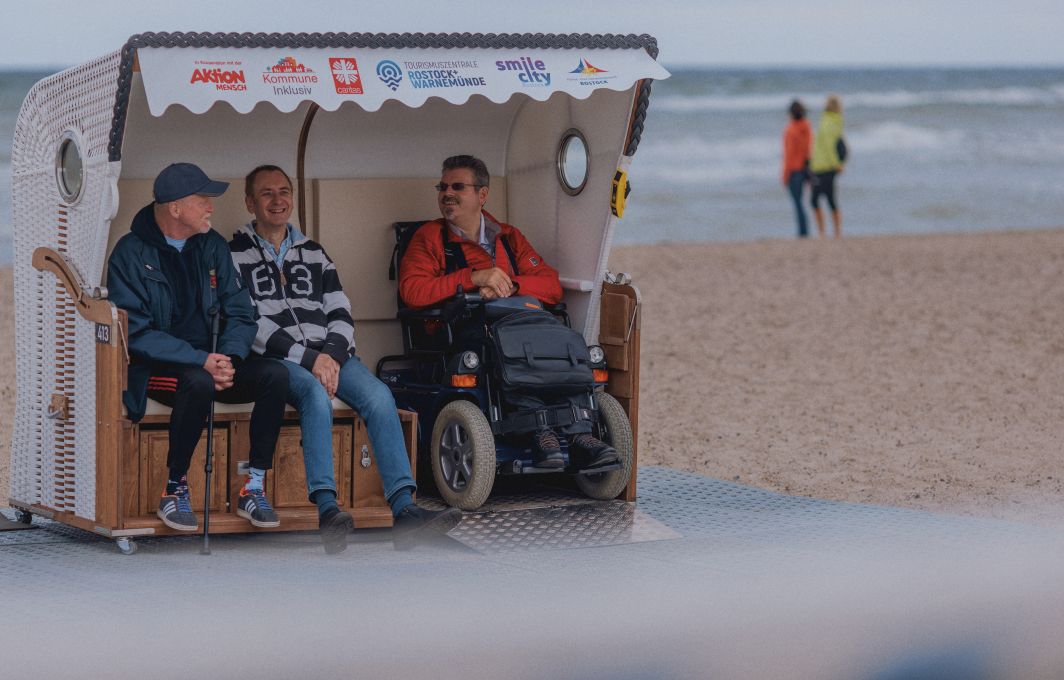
(920, 371)
(914, 371)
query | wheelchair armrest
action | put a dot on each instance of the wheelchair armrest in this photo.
(446, 311)
(428, 313)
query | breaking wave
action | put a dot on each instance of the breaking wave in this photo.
(893, 99)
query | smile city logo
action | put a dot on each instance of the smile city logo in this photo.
(531, 72)
(390, 73)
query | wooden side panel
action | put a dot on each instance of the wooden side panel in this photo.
(614, 333)
(155, 444)
(289, 477)
(619, 337)
(130, 464)
(108, 432)
(408, 420)
(366, 480)
(369, 506)
(239, 452)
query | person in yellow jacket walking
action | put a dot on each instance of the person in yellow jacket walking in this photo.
(829, 156)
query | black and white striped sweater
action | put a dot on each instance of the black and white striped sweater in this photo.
(306, 314)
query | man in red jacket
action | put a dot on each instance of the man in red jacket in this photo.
(462, 192)
(498, 262)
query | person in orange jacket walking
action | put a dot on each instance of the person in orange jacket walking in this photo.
(797, 147)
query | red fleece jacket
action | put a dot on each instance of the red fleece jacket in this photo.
(797, 145)
(423, 281)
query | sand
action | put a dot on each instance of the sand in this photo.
(916, 371)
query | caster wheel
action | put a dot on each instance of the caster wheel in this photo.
(24, 517)
(126, 546)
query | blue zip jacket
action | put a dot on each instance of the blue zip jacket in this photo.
(135, 283)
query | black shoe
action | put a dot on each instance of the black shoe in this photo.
(598, 451)
(333, 528)
(415, 525)
(546, 450)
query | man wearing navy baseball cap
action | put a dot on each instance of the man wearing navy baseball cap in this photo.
(173, 275)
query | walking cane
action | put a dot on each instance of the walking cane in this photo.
(209, 465)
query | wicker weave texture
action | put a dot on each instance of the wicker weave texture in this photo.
(53, 461)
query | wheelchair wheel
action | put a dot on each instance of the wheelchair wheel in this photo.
(613, 428)
(463, 455)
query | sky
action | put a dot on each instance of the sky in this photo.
(51, 33)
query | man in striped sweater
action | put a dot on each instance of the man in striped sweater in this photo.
(305, 321)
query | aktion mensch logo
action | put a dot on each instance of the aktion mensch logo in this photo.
(223, 75)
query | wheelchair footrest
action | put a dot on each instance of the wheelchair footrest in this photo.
(559, 415)
(517, 467)
(601, 468)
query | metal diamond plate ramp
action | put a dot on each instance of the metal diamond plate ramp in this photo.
(584, 525)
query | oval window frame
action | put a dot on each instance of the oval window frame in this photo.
(70, 137)
(562, 156)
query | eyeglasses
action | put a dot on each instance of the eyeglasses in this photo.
(457, 186)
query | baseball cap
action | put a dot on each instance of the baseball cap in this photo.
(179, 180)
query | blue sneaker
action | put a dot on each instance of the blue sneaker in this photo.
(175, 510)
(253, 506)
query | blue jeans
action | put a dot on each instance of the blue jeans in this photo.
(359, 389)
(795, 183)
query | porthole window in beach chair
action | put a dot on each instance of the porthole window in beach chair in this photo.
(69, 168)
(573, 162)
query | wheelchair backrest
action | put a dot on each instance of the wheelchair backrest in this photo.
(404, 231)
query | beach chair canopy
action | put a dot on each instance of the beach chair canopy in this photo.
(347, 113)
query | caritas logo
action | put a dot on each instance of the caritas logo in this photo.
(345, 75)
(222, 79)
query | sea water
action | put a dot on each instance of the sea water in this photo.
(931, 150)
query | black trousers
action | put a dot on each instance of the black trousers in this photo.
(188, 391)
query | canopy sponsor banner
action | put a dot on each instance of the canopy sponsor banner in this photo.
(196, 78)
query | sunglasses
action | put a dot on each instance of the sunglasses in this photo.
(457, 186)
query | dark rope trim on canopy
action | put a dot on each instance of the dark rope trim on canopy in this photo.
(373, 40)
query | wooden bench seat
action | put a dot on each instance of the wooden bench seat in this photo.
(358, 482)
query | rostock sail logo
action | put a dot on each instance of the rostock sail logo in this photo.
(390, 73)
(587, 74)
(345, 75)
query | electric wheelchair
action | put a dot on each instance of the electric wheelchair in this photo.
(460, 358)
